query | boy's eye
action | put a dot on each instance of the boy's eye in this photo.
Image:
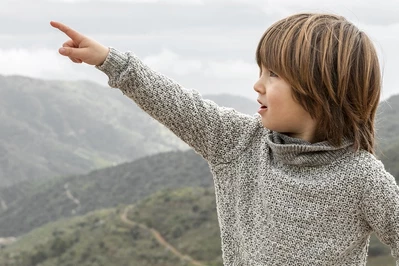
(272, 74)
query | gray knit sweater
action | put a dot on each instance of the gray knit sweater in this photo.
(280, 200)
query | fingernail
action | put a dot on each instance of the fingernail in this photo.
(62, 50)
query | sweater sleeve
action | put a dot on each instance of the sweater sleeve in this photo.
(381, 210)
(219, 134)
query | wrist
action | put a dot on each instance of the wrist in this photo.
(104, 54)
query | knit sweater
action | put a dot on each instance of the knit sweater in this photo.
(280, 200)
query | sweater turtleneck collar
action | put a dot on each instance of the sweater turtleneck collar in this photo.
(293, 151)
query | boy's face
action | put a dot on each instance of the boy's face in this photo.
(279, 111)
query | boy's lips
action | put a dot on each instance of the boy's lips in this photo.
(262, 105)
(262, 108)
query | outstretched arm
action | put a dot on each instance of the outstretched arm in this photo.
(218, 134)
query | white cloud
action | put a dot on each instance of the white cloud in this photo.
(168, 61)
(232, 69)
(44, 64)
(25, 62)
(370, 11)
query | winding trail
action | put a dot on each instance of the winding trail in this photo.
(71, 197)
(161, 240)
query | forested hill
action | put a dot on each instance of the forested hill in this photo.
(57, 128)
(32, 204)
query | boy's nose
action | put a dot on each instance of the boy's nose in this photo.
(259, 88)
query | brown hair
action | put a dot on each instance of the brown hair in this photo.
(334, 72)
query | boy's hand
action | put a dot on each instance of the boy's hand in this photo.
(81, 48)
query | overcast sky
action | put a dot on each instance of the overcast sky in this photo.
(208, 45)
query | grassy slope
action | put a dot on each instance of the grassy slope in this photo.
(122, 184)
(101, 238)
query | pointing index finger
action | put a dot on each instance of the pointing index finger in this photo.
(71, 33)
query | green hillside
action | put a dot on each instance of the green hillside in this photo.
(42, 202)
(104, 238)
(186, 218)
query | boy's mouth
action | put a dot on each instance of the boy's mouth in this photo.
(262, 106)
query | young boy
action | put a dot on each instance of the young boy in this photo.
(296, 184)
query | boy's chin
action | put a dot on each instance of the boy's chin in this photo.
(267, 125)
(272, 128)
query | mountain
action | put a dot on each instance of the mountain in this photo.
(59, 128)
(32, 204)
(387, 122)
(239, 103)
(171, 227)
(55, 128)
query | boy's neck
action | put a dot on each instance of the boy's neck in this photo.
(305, 136)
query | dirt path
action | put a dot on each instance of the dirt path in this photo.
(71, 197)
(158, 237)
